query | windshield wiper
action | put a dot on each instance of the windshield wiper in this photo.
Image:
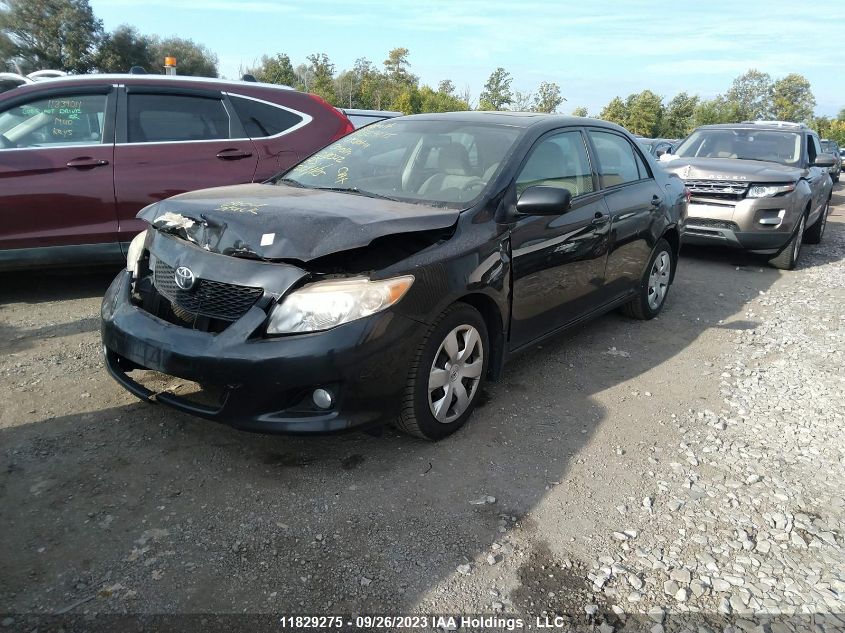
(291, 182)
(356, 190)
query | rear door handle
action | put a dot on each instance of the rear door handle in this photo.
(233, 154)
(86, 162)
(656, 201)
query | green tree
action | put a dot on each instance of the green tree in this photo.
(645, 113)
(397, 67)
(123, 48)
(679, 116)
(616, 112)
(497, 91)
(522, 101)
(322, 73)
(191, 58)
(276, 70)
(446, 86)
(752, 95)
(580, 111)
(792, 99)
(439, 101)
(841, 115)
(716, 110)
(54, 34)
(548, 98)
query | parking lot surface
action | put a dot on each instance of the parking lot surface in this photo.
(624, 466)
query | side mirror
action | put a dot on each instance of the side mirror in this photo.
(660, 152)
(824, 160)
(542, 200)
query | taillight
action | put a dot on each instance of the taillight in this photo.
(346, 124)
(687, 194)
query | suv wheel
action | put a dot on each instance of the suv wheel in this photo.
(654, 286)
(446, 375)
(814, 234)
(788, 257)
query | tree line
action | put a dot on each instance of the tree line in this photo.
(66, 35)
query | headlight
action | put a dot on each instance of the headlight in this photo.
(768, 191)
(133, 254)
(327, 304)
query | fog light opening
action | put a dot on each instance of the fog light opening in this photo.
(322, 398)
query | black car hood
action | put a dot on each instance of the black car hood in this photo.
(278, 222)
(729, 169)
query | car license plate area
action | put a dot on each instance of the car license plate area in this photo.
(206, 396)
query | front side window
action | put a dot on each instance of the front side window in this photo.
(744, 144)
(558, 161)
(65, 120)
(157, 118)
(261, 119)
(617, 160)
(813, 148)
(439, 162)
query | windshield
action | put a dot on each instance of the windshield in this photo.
(439, 162)
(768, 145)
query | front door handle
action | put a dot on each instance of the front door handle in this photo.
(233, 154)
(656, 201)
(86, 162)
(599, 219)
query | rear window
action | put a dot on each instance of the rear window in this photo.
(174, 118)
(261, 119)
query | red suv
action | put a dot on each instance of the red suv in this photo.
(80, 156)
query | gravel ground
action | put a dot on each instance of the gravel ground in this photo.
(682, 472)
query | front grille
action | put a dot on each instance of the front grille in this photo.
(718, 189)
(713, 224)
(212, 299)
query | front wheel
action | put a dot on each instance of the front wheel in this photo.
(814, 234)
(446, 375)
(788, 257)
(654, 285)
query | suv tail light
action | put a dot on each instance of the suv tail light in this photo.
(687, 194)
(346, 127)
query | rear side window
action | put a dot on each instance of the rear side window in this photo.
(65, 120)
(616, 157)
(162, 118)
(261, 119)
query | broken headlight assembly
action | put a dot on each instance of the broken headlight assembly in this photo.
(327, 304)
(134, 252)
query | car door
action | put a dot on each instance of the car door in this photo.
(816, 177)
(558, 261)
(633, 199)
(172, 140)
(56, 160)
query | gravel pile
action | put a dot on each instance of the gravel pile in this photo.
(744, 526)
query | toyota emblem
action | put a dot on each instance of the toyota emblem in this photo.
(184, 278)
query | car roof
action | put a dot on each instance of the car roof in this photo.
(514, 119)
(754, 126)
(125, 78)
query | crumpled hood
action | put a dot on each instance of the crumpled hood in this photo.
(283, 222)
(729, 169)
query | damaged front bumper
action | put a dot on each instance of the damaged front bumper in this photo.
(265, 384)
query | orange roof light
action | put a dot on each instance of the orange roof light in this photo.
(170, 61)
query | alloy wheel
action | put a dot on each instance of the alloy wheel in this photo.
(658, 279)
(455, 373)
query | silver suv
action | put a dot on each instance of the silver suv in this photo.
(762, 186)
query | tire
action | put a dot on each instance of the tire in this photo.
(788, 256)
(654, 285)
(433, 362)
(814, 234)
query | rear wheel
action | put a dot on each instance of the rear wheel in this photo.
(446, 375)
(654, 286)
(788, 257)
(814, 234)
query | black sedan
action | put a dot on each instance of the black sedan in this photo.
(386, 277)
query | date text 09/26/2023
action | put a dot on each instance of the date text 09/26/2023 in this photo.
(410, 622)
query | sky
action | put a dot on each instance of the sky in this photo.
(592, 50)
